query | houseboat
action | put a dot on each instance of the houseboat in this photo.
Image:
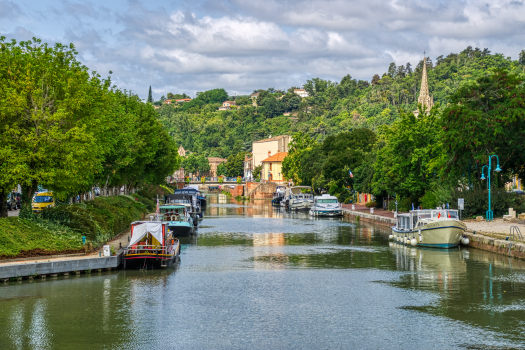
(152, 246)
(437, 228)
(300, 198)
(178, 218)
(326, 205)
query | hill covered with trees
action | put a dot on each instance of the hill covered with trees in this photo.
(331, 108)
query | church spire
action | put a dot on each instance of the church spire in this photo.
(424, 96)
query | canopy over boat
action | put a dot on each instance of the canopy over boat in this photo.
(298, 189)
(172, 207)
(141, 230)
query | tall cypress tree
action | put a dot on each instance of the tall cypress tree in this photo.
(150, 98)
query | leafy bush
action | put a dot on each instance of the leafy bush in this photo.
(348, 200)
(371, 204)
(100, 219)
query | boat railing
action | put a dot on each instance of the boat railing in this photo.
(151, 249)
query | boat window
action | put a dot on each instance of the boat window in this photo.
(327, 201)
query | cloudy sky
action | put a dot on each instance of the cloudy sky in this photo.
(242, 45)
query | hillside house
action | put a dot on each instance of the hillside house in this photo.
(227, 105)
(301, 92)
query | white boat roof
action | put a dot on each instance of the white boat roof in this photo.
(326, 196)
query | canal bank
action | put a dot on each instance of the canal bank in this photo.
(257, 277)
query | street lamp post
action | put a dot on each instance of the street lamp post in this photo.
(489, 213)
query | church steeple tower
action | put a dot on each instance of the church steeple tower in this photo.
(424, 98)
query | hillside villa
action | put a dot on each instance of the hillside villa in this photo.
(227, 105)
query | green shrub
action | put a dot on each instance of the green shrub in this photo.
(371, 204)
(100, 219)
(348, 200)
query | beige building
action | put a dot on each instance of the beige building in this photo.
(272, 167)
(263, 149)
(214, 163)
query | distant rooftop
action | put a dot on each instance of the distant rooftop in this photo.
(273, 138)
(277, 157)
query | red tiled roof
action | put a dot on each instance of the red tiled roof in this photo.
(277, 157)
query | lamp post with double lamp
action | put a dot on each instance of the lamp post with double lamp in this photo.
(489, 213)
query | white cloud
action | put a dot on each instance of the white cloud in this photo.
(243, 45)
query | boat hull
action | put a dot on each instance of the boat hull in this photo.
(149, 261)
(326, 212)
(303, 205)
(443, 234)
(181, 231)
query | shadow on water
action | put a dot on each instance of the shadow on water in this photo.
(259, 277)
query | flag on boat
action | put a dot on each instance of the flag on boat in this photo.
(350, 172)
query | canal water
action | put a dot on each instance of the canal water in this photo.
(256, 277)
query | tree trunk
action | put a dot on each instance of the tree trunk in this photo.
(27, 195)
(3, 203)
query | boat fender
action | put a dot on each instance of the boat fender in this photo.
(420, 237)
(465, 240)
(391, 236)
(157, 254)
(413, 241)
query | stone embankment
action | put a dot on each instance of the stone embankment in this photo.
(494, 236)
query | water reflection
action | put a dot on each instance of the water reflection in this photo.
(259, 277)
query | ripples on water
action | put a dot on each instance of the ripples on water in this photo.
(256, 277)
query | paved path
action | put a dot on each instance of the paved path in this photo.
(13, 212)
(364, 209)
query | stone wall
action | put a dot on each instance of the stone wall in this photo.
(500, 246)
(376, 219)
(263, 190)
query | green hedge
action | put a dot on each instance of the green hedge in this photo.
(23, 237)
(100, 219)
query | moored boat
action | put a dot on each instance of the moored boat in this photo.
(278, 195)
(436, 228)
(178, 219)
(326, 205)
(152, 246)
(300, 198)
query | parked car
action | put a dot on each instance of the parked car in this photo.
(13, 201)
(521, 192)
(42, 200)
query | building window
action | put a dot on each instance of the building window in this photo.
(270, 166)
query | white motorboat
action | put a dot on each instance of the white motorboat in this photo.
(300, 198)
(438, 228)
(326, 205)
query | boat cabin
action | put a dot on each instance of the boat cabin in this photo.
(150, 236)
(174, 213)
(325, 199)
(301, 192)
(417, 218)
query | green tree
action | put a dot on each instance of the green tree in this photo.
(235, 165)
(52, 115)
(203, 165)
(408, 150)
(222, 169)
(485, 117)
(150, 96)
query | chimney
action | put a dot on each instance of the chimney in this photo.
(269, 154)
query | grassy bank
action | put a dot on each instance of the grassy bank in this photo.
(59, 230)
(22, 238)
